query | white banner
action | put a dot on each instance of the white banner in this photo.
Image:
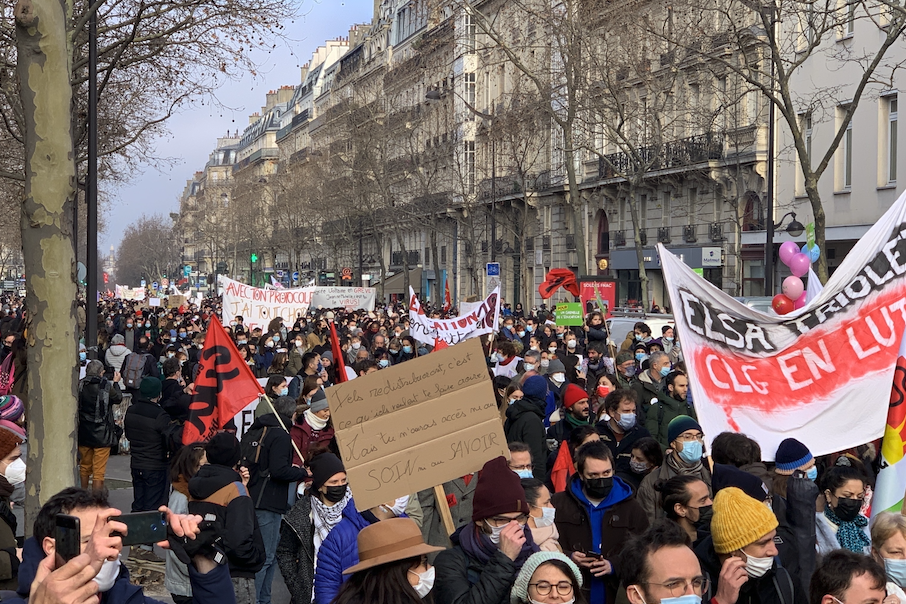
(482, 319)
(258, 305)
(124, 292)
(821, 374)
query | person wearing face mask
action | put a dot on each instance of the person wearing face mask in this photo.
(524, 422)
(392, 567)
(650, 383)
(670, 344)
(640, 333)
(621, 429)
(667, 407)
(659, 567)
(270, 482)
(297, 349)
(520, 459)
(741, 554)
(596, 515)
(686, 444)
(625, 369)
(556, 386)
(888, 548)
(505, 359)
(541, 516)
(488, 552)
(842, 523)
(313, 431)
(12, 467)
(686, 500)
(547, 578)
(575, 413)
(97, 431)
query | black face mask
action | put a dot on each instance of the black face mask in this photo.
(848, 509)
(335, 494)
(705, 513)
(598, 488)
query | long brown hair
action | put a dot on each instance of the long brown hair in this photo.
(382, 584)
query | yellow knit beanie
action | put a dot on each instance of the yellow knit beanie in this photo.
(739, 520)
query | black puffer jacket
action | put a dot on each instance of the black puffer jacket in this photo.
(272, 492)
(525, 424)
(95, 422)
(174, 400)
(462, 579)
(296, 551)
(218, 489)
(777, 586)
(146, 425)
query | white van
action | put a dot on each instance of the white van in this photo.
(620, 324)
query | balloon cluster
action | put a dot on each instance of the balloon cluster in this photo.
(799, 261)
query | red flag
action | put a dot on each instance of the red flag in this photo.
(448, 303)
(225, 385)
(440, 344)
(556, 278)
(338, 363)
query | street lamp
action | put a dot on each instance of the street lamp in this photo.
(794, 228)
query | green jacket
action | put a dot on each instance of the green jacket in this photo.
(659, 415)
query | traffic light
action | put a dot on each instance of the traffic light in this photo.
(254, 257)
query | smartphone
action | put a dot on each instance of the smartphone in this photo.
(67, 537)
(594, 555)
(144, 528)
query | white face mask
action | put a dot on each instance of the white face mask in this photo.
(15, 472)
(757, 567)
(570, 601)
(425, 582)
(559, 378)
(571, 344)
(108, 575)
(495, 532)
(552, 349)
(547, 517)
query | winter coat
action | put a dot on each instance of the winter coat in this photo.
(271, 492)
(95, 417)
(622, 450)
(213, 587)
(218, 489)
(647, 390)
(525, 424)
(174, 400)
(776, 586)
(651, 499)
(146, 425)
(296, 551)
(294, 362)
(337, 553)
(176, 579)
(310, 441)
(660, 415)
(461, 579)
(604, 528)
(459, 499)
(116, 356)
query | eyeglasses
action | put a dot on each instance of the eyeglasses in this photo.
(503, 520)
(686, 438)
(527, 466)
(679, 587)
(564, 588)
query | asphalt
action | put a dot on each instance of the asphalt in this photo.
(119, 482)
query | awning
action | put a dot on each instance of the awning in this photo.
(396, 283)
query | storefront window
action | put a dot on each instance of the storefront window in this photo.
(753, 278)
(629, 286)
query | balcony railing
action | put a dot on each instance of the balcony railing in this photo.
(674, 154)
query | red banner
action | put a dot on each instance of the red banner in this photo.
(225, 385)
(339, 365)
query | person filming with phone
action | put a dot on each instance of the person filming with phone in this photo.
(74, 555)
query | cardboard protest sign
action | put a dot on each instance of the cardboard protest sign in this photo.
(153, 302)
(176, 301)
(417, 424)
(821, 374)
(258, 305)
(482, 318)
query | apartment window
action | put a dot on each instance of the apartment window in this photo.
(471, 31)
(693, 201)
(665, 209)
(470, 166)
(486, 93)
(470, 89)
(807, 129)
(850, 25)
(848, 156)
(643, 211)
(892, 115)
(443, 254)
(752, 106)
(427, 256)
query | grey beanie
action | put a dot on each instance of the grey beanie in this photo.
(519, 593)
(555, 366)
(318, 401)
(118, 339)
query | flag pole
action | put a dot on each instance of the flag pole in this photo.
(282, 425)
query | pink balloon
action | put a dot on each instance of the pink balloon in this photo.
(787, 251)
(792, 288)
(799, 264)
(800, 303)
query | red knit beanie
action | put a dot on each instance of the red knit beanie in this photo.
(498, 491)
(573, 395)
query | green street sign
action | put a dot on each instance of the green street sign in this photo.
(569, 313)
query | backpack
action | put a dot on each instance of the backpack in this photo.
(7, 375)
(133, 370)
(250, 447)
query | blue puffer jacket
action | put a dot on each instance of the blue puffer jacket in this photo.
(337, 553)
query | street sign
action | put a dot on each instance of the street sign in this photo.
(493, 283)
(153, 284)
(279, 274)
(165, 283)
(346, 274)
(296, 276)
(143, 283)
(493, 269)
(186, 270)
(568, 313)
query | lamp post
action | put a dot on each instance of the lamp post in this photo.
(794, 229)
(769, 13)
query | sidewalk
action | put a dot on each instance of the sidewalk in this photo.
(119, 482)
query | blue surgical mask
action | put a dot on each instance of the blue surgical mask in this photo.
(83, 356)
(692, 451)
(525, 474)
(665, 371)
(528, 366)
(521, 334)
(896, 570)
(687, 599)
(627, 421)
(638, 337)
(812, 474)
(640, 356)
(383, 363)
(284, 391)
(407, 349)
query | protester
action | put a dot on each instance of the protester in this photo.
(561, 461)
(183, 467)
(659, 566)
(392, 567)
(841, 524)
(668, 406)
(146, 426)
(686, 501)
(520, 460)
(740, 451)
(547, 578)
(621, 429)
(844, 577)
(97, 430)
(541, 515)
(888, 548)
(313, 432)
(525, 419)
(488, 552)
(645, 456)
(595, 516)
(575, 413)
(13, 469)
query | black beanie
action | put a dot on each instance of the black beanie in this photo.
(324, 466)
(223, 450)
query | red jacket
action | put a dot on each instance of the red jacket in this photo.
(310, 441)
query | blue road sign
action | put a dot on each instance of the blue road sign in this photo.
(493, 269)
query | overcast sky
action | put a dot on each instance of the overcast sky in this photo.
(194, 132)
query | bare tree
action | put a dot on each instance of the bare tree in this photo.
(147, 251)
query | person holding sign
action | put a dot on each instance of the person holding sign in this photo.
(488, 552)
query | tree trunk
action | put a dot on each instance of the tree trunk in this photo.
(575, 201)
(811, 189)
(44, 71)
(639, 250)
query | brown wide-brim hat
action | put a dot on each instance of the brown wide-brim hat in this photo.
(389, 541)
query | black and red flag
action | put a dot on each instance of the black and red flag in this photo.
(224, 386)
(339, 365)
(557, 278)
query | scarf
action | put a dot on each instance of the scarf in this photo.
(325, 518)
(314, 421)
(477, 544)
(575, 422)
(182, 486)
(850, 534)
(679, 466)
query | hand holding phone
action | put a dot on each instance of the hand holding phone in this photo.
(143, 528)
(67, 538)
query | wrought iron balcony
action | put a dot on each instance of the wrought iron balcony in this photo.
(674, 154)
